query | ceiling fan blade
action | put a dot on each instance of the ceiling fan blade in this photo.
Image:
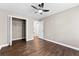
(34, 7)
(41, 5)
(45, 10)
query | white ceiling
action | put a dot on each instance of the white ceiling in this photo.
(27, 10)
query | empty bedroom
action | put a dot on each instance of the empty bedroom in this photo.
(39, 29)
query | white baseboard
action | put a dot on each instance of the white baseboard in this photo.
(69, 46)
(0, 47)
(29, 39)
(3, 46)
(16, 39)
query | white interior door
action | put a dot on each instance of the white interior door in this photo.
(41, 29)
(38, 29)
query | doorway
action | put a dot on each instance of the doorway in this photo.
(39, 29)
(16, 29)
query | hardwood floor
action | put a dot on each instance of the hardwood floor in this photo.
(37, 47)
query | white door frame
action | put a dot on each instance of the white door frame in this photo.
(9, 28)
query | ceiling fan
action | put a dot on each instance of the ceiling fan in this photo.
(40, 8)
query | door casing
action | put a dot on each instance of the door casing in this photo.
(9, 28)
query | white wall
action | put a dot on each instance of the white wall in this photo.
(63, 27)
(3, 26)
(30, 28)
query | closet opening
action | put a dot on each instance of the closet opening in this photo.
(17, 30)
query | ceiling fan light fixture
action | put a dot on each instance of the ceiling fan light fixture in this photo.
(40, 11)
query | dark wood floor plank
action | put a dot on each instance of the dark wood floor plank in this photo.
(39, 47)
